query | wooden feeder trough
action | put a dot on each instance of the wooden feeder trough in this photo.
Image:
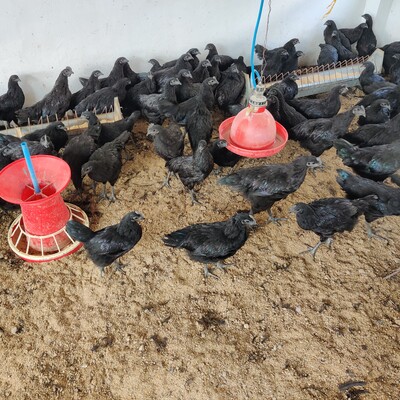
(71, 121)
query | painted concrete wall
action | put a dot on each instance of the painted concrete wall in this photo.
(386, 25)
(40, 38)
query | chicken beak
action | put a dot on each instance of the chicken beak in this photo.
(252, 221)
(138, 217)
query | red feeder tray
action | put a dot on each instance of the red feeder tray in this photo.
(246, 149)
(39, 234)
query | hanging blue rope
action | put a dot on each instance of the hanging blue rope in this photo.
(29, 164)
(253, 47)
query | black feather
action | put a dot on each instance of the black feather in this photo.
(108, 244)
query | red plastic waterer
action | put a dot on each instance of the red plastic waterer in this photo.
(39, 234)
(254, 133)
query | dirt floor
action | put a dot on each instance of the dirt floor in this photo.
(277, 325)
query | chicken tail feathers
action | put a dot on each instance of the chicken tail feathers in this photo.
(230, 180)
(131, 120)
(167, 108)
(175, 239)
(79, 232)
(259, 50)
(344, 149)
(366, 203)
(121, 140)
(25, 114)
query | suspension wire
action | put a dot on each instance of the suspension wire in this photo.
(264, 60)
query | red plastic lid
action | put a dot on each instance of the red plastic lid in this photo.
(50, 171)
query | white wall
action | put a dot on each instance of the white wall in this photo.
(41, 38)
(387, 15)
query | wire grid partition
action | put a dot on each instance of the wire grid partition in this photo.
(70, 120)
(319, 79)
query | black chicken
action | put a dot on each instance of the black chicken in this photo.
(282, 111)
(376, 134)
(394, 71)
(387, 203)
(168, 142)
(376, 113)
(162, 76)
(214, 69)
(132, 99)
(14, 151)
(194, 52)
(376, 162)
(199, 125)
(90, 86)
(226, 61)
(187, 89)
(231, 88)
(103, 100)
(105, 164)
(261, 52)
(287, 86)
(325, 107)
(343, 52)
(264, 54)
(389, 51)
(327, 55)
(180, 112)
(150, 103)
(235, 109)
(395, 179)
(116, 74)
(275, 62)
(11, 101)
(131, 75)
(281, 59)
(201, 72)
(193, 169)
(329, 33)
(318, 135)
(156, 66)
(221, 155)
(241, 65)
(56, 131)
(292, 63)
(391, 94)
(366, 45)
(211, 243)
(5, 140)
(110, 131)
(53, 105)
(265, 185)
(79, 149)
(325, 217)
(354, 34)
(105, 246)
(370, 81)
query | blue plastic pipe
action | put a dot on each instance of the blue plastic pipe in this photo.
(253, 47)
(29, 164)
